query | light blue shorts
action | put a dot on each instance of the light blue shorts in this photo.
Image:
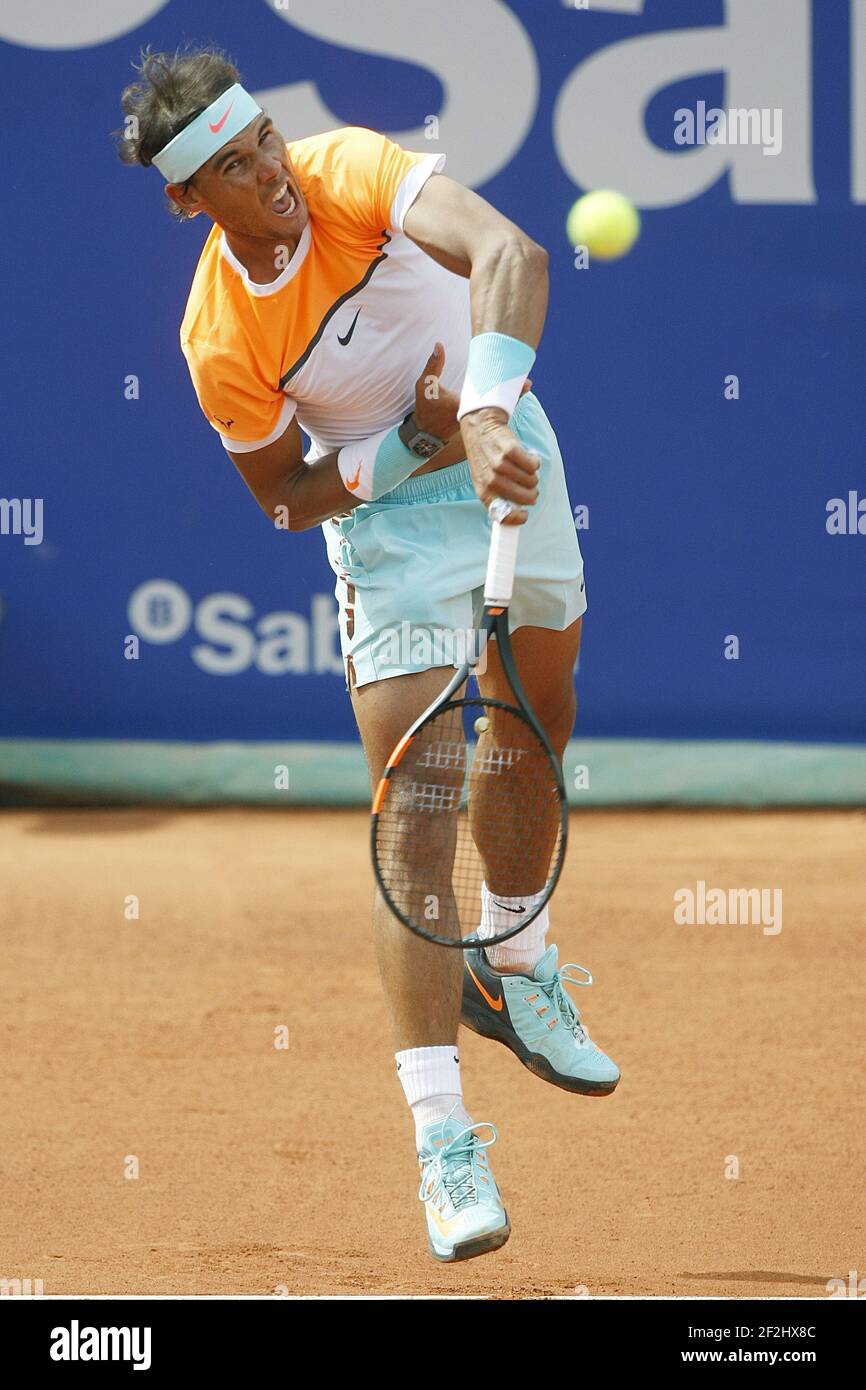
(410, 567)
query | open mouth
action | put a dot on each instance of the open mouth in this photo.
(284, 202)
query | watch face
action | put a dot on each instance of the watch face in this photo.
(425, 445)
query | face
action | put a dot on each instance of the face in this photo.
(248, 186)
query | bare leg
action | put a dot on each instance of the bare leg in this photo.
(509, 785)
(515, 816)
(545, 662)
(422, 981)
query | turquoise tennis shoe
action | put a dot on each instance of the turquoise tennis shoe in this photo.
(465, 1215)
(536, 1018)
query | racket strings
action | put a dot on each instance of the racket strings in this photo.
(464, 808)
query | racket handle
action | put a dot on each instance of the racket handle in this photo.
(499, 583)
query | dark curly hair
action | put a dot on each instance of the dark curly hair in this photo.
(174, 89)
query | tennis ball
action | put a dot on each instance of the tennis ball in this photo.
(605, 222)
(482, 724)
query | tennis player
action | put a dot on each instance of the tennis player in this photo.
(350, 289)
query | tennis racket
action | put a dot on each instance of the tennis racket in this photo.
(470, 817)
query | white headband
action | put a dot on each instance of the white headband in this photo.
(214, 127)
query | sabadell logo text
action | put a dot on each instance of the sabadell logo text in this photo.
(230, 638)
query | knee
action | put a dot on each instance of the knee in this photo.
(556, 709)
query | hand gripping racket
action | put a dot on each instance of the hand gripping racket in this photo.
(470, 817)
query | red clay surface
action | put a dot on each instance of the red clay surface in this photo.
(294, 1170)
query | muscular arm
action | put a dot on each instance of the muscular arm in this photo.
(506, 269)
(507, 274)
(278, 477)
(508, 287)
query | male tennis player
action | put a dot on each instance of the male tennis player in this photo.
(349, 288)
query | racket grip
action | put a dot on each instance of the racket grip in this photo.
(499, 583)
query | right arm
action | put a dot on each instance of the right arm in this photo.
(311, 493)
(306, 494)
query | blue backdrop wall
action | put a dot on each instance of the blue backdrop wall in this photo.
(710, 502)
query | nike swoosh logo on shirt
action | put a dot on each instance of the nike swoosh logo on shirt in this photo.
(355, 482)
(344, 342)
(222, 120)
(494, 1003)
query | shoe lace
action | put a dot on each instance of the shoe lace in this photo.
(561, 1000)
(453, 1169)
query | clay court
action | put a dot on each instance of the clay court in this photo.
(292, 1169)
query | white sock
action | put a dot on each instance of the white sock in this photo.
(520, 953)
(430, 1077)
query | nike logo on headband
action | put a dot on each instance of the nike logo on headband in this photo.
(222, 120)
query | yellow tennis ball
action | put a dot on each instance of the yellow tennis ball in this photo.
(605, 222)
(482, 724)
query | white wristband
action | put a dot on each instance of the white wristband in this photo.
(374, 466)
(496, 369)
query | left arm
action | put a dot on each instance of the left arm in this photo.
(508, 285)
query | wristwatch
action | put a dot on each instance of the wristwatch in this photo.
(420, 442)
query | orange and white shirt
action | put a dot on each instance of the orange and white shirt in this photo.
(342, 335)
